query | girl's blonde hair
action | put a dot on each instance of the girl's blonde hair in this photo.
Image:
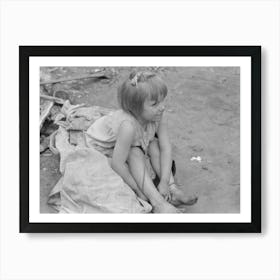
(133, 92)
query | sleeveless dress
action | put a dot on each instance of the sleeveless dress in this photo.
(102, 134)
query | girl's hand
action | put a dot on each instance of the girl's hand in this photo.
(164, 190)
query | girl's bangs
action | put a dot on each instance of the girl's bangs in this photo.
(157, 91)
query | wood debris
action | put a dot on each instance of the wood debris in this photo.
(95, 75)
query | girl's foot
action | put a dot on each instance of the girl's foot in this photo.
(179, 197)
(165, 207)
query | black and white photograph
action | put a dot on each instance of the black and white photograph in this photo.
(141, 134)
(140, 140)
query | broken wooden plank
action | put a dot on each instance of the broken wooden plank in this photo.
(52, 98)
(45, 110)
(96, 75)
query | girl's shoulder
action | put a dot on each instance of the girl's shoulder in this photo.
(120, 114)
(118, 117)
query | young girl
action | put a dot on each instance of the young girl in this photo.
(136, 133)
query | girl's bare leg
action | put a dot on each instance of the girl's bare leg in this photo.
(136, 163)
(178, 196)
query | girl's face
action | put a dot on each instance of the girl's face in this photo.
(153, 110)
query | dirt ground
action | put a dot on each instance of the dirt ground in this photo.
(203, 109)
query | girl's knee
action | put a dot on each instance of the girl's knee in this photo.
(135, 153)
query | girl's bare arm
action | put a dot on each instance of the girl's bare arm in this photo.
(165, 151)
(123, 144)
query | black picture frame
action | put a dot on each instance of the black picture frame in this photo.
(254, 52)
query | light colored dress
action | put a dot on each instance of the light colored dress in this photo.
(102, 134)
